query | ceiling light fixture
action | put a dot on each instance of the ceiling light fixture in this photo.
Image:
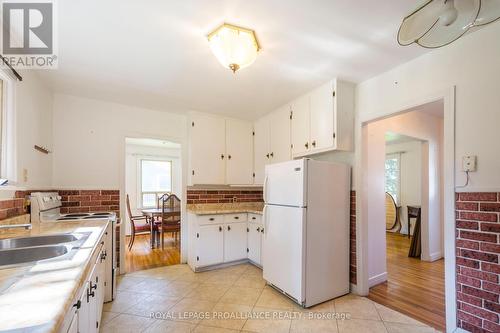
(233, 46)
(440, 22)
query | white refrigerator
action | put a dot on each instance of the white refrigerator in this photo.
(306, 222)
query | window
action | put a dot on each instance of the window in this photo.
(156, 180)
(392, 175)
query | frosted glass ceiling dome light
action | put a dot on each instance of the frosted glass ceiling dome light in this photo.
(234, 47)
(440, 22)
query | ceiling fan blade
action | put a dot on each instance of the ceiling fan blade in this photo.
(490, 11)
(441, 34)
(419, 22)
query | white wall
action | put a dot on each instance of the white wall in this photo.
(134, 154)
(418, 125)
(410, 177)
(472, 65)
(89, 139)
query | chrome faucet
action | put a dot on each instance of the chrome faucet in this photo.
(26, 226)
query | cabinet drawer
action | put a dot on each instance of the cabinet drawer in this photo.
(230, 218)
(255, 218)
(210, 219)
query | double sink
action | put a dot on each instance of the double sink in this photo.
(17, 251)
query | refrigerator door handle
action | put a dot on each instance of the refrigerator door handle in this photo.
(264, 214)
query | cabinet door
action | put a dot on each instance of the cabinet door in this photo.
(207, 150)
(235, 241)
(93, 301)
(108, 265)
(254, 242)
(84, 311)
(210, 249)
(322, 117)
(280, 135)
(300, 126)
(100, 282)
(261, 148)
(239, 150)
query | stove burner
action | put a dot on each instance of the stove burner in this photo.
(76, 215)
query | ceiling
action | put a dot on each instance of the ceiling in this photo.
(155, 54)
(392, 138)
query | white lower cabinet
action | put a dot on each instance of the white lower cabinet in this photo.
(235, 241)
(85, 314)
(210, 245)
(223, 238)
(254, 242)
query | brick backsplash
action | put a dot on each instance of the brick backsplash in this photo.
(11, 208)
(352, 240)
(477, 254)
(195, 196)
(83, 201)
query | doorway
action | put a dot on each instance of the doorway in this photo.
(404, 170)
(153, 173)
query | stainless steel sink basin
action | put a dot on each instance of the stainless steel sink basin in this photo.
(15, 243)
(24, 255)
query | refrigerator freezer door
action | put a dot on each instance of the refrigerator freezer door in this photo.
(283, 249)
(285, 183)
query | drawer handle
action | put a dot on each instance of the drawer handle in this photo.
(314, 143)
(262, 230)
(254, 218)
(236, 217)
(258, 229)
(307, 145)
(220, 228)
(211, 219)
(228, 228)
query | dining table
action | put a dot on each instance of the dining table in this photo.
(153, 213)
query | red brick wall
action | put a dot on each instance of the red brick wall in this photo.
(352, 239)
(83, 201)
(11, 207)
(477, 254)
(222, 196)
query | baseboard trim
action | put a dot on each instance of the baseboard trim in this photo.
(435, 256)
(377, 279)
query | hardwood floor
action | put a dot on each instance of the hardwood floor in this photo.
(414, 287)
(143, 257)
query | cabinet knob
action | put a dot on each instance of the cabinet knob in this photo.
(272, 154)
(228, 157)
(221, 156)
(258, 229)
(262, 230)
(267, 155)
(78, 304)
(307, 145)
(228, 228)
(211, 219)
(314, 143)
(220, 228)
(236, 217)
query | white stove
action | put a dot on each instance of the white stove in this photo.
(46, 207)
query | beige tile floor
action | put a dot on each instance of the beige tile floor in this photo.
(174, 292)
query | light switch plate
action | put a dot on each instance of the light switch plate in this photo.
(469, 163)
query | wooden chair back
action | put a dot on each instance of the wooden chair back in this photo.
(172, 202)
(390, 211)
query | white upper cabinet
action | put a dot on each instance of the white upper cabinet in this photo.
(332, 117)
(207, 149)
(280, 135)
(271, 141)
(262, 148)
(221, 151)
(239, 151)
(323, 120)
(300, 126)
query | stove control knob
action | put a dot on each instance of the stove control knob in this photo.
(59, 197)
(46, 199)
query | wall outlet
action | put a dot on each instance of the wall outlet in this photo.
(25, 175)
(469, 163)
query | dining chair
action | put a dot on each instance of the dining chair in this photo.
(392, 211)
(170, 220)
(138, 223)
